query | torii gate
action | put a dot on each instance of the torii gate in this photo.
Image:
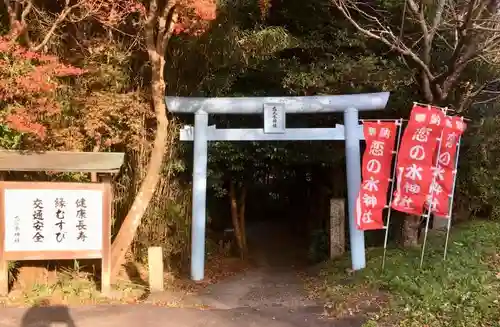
(274, 110)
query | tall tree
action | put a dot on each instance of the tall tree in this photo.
(439, 40)
(162, 21)
(152, 24)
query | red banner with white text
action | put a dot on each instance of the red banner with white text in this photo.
(377, 160)
(414, 165)
(444, 170)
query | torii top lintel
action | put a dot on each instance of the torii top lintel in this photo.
(296, 104)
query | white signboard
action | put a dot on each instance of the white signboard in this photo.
(53, 220)
(274, 118)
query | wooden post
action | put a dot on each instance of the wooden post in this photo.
(4, 264)
(337, 227)
(155, 267)
(4, 277)
(106, 241)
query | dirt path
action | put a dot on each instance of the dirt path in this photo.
(275, 289)
(153, 316)
(280, 260)
(271, 295)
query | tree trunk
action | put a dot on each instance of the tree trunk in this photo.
(238, 217)
(241, 219)
(410, 231)
(158, 31)
(132, 221)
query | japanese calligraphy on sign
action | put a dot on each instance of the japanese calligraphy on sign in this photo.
(414, 166)
(45, 220)
(52, 219)
(444, 169)
(274, 118)
(380, 139)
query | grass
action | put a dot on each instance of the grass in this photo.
(77, 286)
(72, 287)
(463, 291)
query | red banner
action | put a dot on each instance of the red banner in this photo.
(377, 159)
(414, 167)
(444, 170)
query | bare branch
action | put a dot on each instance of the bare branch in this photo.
(165, 25)
(59, 20)
(486, 29)
(463, 39)
(427, 33)
(151, 21)
(495, 98)
(166, 37)
(470, 95)
(26, 11)
(24, 15)
(437, 17)
(401, 29)
(470, 43)
(383, 34)
(469, 29)
(418, 12)
(10, 12)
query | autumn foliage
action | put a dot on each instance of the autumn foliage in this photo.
(193, 15)
(196, 14)
(39, 96)
(29, 82)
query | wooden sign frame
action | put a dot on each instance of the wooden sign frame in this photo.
(104, 254)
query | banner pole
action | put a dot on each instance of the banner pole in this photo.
(430, 202)
(452, 195)
(388, 220)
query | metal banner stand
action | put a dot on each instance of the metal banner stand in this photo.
(452, 195)
(430, 203)
(399, 123)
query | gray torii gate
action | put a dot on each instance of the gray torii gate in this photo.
(274, 110)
